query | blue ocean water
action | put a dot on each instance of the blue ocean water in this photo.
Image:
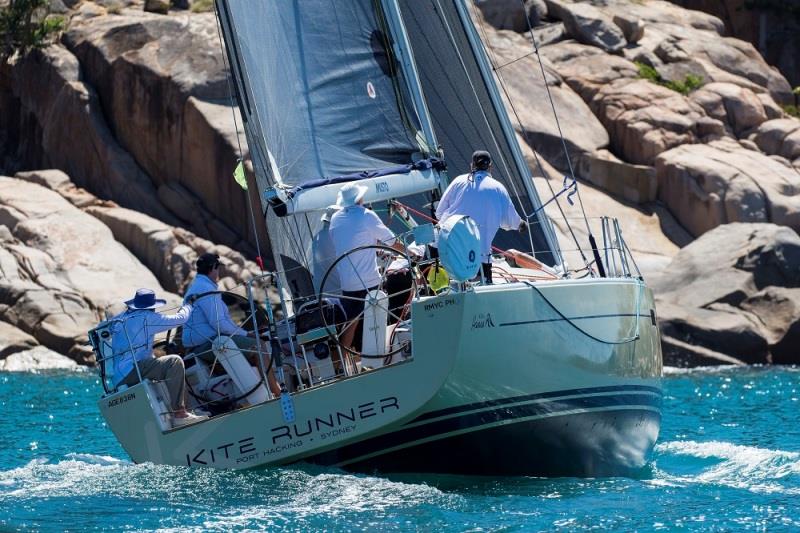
(728, 458)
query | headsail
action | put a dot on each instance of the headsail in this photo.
(466, 109)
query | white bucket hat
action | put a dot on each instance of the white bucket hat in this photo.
(351, 194)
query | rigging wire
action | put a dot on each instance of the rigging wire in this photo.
(535, 153)
(555, 114)
(260, 261)
(452, 39)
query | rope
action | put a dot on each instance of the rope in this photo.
(628, 340)
(260, 261)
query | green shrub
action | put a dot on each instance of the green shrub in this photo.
(689, 83)
(792, 110)
(202, 6)
(26, 24)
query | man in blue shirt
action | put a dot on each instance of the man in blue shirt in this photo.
(210, 317)
(132, 343)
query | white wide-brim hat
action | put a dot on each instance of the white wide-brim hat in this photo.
(351, 194)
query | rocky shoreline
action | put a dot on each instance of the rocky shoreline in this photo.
(129, 118)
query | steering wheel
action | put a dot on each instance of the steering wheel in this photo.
(240, 313)
(334, 333)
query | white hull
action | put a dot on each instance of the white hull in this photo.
(508, 379)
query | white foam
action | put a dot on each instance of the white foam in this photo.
(745, 467)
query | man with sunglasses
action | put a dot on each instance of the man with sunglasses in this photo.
(210, 318)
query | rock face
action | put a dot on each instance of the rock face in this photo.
(780, 137)
(765, 25)
(583, 134)
(644, 119)
(68, 259)
(68, 131)
(62, 268)
(735, 290)
(738, 107)
(13, 340)
(168, 252)
(651, 233)
(163, 83)
(513, 15)
(36, 359)
(136, 109)
(721, 182)
(588, 25)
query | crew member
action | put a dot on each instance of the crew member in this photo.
(132, 343)
(484, 199)
(351, 227)
(211, 318)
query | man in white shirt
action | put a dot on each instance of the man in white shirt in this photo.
(132, 343)
(210, 317)
(484, 199)
(351, 227)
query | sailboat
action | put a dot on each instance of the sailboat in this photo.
(548, 371)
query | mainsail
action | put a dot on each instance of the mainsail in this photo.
(325, 100)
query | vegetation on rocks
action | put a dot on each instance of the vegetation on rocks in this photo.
(793, 109)
(27, 24)
(690, 83)
(202, 6)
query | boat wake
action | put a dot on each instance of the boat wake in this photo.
(216, 499)
(758, 470)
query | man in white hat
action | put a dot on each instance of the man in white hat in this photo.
(484, 199)
(132, 343)
(351, 227)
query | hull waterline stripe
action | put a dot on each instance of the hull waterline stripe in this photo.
(491, 425)
(542, 395)
(473, 421)
(488, 408)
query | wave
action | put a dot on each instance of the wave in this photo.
(750, 468)
(724, 369)
(221, 497)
